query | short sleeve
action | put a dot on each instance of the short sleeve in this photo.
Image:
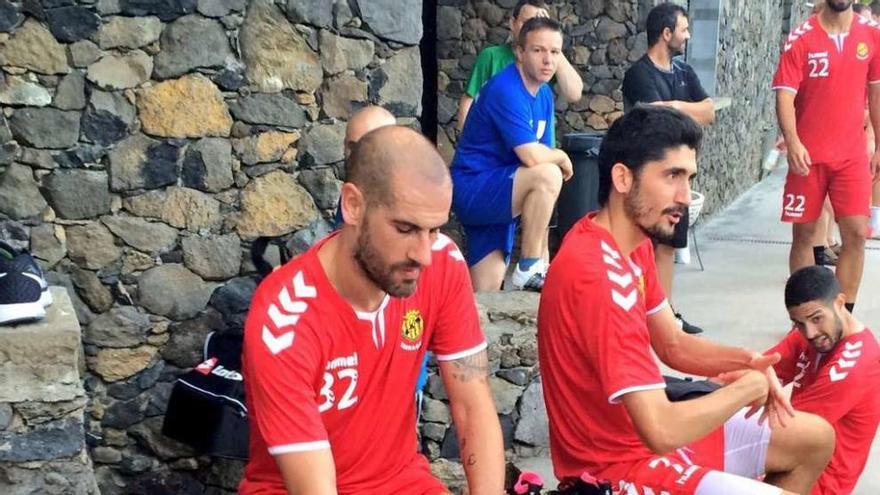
(790, 71)
(786, 368)
(280, 366)
(874, 67)
(638, 86)
(457, 332)
(480, 73)
(549, 137)
(618, 342)
(510, 112)
(697, 92)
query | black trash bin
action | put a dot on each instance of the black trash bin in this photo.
(580, 194)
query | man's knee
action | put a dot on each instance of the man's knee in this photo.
(803, 233)
(853, 231)
(547, 177)
(807, 439)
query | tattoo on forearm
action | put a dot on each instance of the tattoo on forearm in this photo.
(470, 367)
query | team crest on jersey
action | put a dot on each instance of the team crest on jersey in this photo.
(413, 326)
(862, 51)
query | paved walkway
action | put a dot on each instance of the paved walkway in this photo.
(738, 298)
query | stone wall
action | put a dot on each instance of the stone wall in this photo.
(750, 38)
(602, 39)
(145, 144)
(509, 321)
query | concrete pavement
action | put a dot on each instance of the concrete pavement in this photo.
(738, 297)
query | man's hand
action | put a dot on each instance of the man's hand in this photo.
(778, 406)
(567, 168)
(875, 166)
(798, 158)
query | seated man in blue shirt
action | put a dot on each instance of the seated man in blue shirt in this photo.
(506, 168)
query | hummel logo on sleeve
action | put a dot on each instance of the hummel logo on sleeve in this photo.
(851, 352)
(443, 241)
(288, 314)
(626, 299)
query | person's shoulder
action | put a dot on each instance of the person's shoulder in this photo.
(639, 67)
(490, 54)
(583, 253)
(291, 295)
(445, 250)
(802, 35)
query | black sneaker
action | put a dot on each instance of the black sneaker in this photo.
(687, 327)
(20, 297)
(13, 260)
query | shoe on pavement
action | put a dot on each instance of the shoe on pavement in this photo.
(14, 260)
(531, 279)
(687, 327)
(825, 257)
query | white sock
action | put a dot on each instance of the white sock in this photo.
(875, 219)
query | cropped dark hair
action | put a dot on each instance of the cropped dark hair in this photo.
(875, 7)
(661, 17)
(536, 24)
(859, 8)
(644, 135)
(539, 4)
(811, 283)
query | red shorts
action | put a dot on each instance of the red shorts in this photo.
(729, 458)
(846, 182)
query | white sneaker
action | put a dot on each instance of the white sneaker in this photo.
(683, 256)
(531, 279)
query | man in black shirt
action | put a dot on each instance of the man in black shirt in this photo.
(658, 79)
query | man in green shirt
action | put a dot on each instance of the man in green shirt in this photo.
(492, 59)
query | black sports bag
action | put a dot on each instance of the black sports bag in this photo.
(207, 410)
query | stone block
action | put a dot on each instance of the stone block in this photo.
(129, 32)
(39, 360)
(33, 47)
(19, 193)
(78, 194)
(173, 291)
(532, 427)
(191, 42)
(276, 56)
(45, 127)
(121, 71)
(187, 107)
(274, 205)
(395, 20)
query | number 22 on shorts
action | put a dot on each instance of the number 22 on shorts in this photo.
(795, 205)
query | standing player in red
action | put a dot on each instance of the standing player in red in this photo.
(826, 65)
(602, 313)
(335, 339)
(834, 362)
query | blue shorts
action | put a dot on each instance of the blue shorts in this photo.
(483, 203)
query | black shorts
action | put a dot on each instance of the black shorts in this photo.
(680, 236)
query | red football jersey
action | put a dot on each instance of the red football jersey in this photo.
(594, 347)
(842, 387)
(319, 374)
(830, 75)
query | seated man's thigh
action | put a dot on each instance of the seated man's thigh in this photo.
(671, 475)
(484, 198)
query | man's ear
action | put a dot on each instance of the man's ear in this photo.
(352, 203)
(621, 178)
(840, 303)
(667, 34)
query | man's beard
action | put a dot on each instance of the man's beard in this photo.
(370, 261)
(636, 210)
(839, 6)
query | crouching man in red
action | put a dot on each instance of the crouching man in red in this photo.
(833, 361)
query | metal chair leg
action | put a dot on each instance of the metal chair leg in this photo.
(696, 245)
